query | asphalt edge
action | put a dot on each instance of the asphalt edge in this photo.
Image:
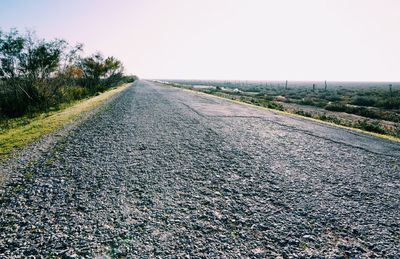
(292, 115)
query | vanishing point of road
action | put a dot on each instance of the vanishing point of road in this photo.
(160, 171)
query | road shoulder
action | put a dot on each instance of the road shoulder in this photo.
(44, 134)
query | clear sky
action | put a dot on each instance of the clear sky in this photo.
(227, 39)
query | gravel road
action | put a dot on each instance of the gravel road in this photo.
(166, 172)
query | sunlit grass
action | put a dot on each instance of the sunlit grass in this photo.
(19, 132)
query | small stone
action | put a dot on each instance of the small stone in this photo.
(309, 237)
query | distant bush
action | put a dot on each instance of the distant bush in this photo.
(332, 119)
(364, 101)
(268, 98)
(129, 79)
(371, 126)
(303, 113)
(333, 98)
(335, 107)
(390, 103)
(307, 101)
(365, 112)
(362, 111)
(397, 130)
(268, 104)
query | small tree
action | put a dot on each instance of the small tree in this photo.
(11, 47)
(113, 71)
(41, 59)
(95, 68)
(70, 70)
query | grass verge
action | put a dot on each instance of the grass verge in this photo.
(19, 132)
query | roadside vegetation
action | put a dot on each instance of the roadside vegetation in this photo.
(37, 75)
(43, 83)
(24, 130)
(372, 108)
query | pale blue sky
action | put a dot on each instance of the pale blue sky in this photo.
(227, 39)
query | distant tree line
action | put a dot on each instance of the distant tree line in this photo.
(37, 74)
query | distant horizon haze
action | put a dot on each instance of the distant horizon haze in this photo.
(278, 80)
(273, 40)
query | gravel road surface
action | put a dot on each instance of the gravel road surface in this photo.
(166, 172)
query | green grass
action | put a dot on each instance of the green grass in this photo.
(19, 132)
